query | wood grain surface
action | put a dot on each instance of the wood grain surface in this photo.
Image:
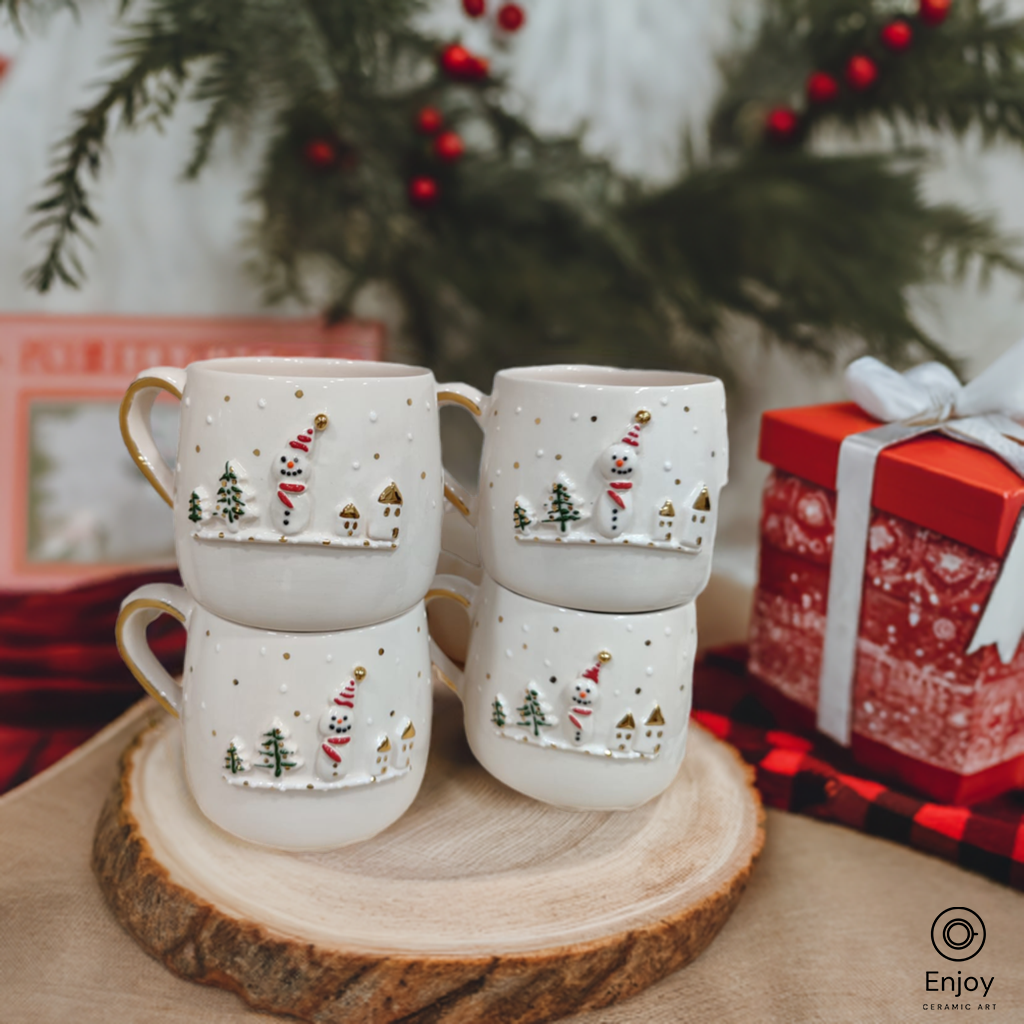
(478, 905)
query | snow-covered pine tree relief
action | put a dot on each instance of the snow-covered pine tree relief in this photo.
(499, 711)
(233, 500)
(535, 713)
(277, 754)
(521, 517)
(235, 759)
(198, 505)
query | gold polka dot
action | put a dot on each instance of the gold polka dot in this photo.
(297, 713)
(515, 465)
(359, 672)
(235, 681)
(298, 394)
(423, 476)
(227, 398)
(558, 458)
(678, 482)
(376, 455)
(286, 655)
(501, 618)
(524, 647)
(554, 629)
(491, 484)
(408, 401)
(255, 451)
(381, 650)
(214, 732)
(537, 420)
(197, 447)
(686, 408)
(321, 421)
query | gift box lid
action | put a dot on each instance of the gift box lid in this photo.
(952, 488)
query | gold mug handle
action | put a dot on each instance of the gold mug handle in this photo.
(472, 400)
(139, 609)
(137, 429)
(462, 592)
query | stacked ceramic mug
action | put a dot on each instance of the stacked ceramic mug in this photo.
(307, 497)
(595, 520)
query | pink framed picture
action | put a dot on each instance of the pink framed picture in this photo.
(74, 507)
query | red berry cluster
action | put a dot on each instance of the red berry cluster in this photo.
(782, 124)
(448, 147)
(510, 16)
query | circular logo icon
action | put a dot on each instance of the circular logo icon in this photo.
(958, 933)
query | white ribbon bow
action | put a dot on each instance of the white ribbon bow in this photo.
(924, 399)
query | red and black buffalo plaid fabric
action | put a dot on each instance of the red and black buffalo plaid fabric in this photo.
(61, 677)
(803, 773)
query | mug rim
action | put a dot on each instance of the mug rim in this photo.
(586, 375)
(311, 368)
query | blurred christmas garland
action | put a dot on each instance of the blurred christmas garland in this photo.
(392, 161)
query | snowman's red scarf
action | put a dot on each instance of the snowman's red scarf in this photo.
(332, 742)
(292, 489)
(618, 485)
(579, 711)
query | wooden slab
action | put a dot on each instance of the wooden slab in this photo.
(478, 905)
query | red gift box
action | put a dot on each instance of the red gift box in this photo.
(943, 514)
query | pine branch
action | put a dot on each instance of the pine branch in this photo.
(156, 53)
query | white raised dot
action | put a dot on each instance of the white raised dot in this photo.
(188, 401)
(209, 418)
(178, 467)
(508, 652)
(284, 687)
(369, 721)
(664, 399)
(202, 704)
(575, 416)
(540, 453)
(373, 416)
(616, 693)
(668, 631)
(497, 472)
(216, 647)
(330, 658)
(696, 430)
(262, 403)
(667, 466)
(547, 663)
(263, 652)
(519, 409)
(409, 435)
(355, 463)
(307, 718)
(649, 670)
(629, 627)
(427, 404)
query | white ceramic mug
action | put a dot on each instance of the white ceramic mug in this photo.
(293, 740)
(584, 710)
(598, 487)
(307, 493)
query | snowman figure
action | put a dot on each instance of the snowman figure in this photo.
(335, 726)
(619, 467)
(291, 473)
(583, 700)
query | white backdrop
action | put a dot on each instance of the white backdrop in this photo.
(635, 75)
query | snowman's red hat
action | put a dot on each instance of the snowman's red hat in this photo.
(633, 434)
(304, 441)
(347, 696)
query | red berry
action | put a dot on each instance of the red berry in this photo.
(934, 12)
(511, 17)
(782, 124)
(429, 121)
(478, 69)
(423, 192)
(4, 65)
(456, 60)
(896, 36)
(822, 88)
(319, 154)
(861, 72)
(474, 8)
(449, 147)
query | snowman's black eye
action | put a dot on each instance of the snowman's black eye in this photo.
(283, 458)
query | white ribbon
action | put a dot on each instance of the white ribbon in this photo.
(924, 399)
